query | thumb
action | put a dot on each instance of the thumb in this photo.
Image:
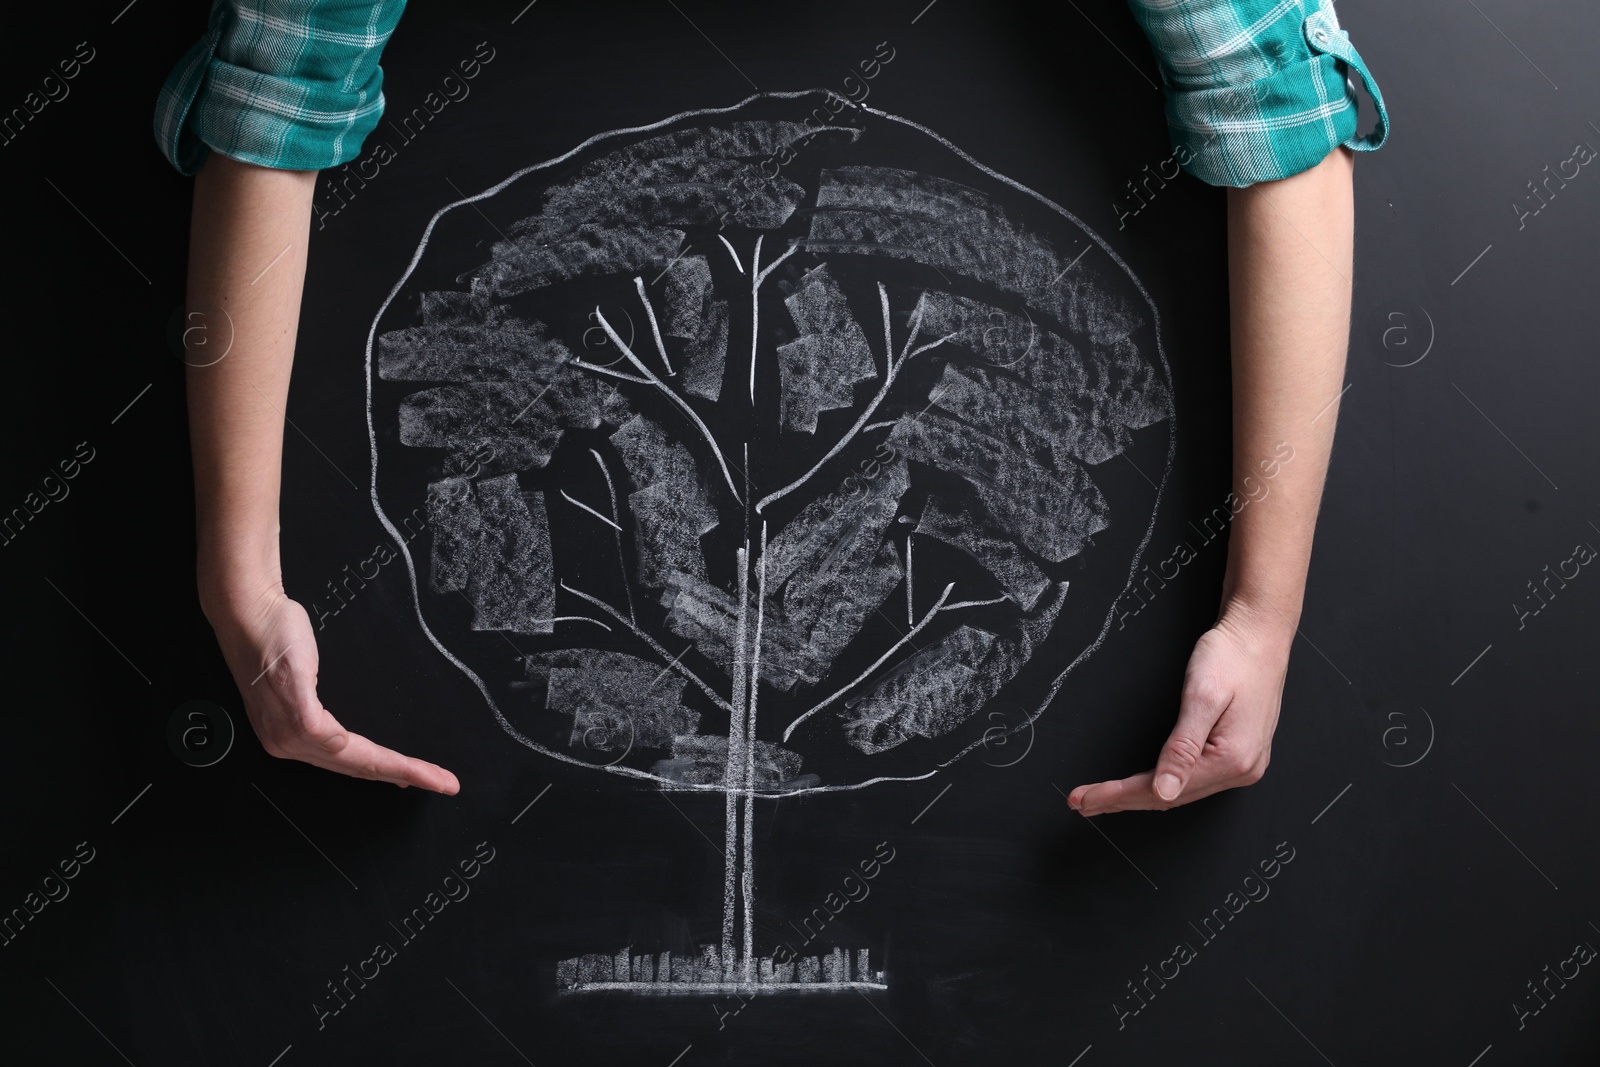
(1201, 707)
(324, 731)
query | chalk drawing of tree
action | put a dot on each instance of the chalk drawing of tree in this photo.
(756, 485)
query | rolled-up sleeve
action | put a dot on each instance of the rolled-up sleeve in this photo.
(1257, 90)
(294, 84)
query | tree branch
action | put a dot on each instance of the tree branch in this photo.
(770, 267)
(757, 277)
(622, 561)
(577, 618)
(651, 379)
(655, 646)
(755, 314)
(913, 329)
(891, 371)
(975, 603)
(729, 246)
(888, 332)
(607, 371)
(592, 511)
(858, 679)
(911, 611)
(655, 330)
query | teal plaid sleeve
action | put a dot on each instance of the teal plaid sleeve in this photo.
(293, 84)
(1257, 90)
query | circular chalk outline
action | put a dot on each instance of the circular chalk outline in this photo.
(673, 784)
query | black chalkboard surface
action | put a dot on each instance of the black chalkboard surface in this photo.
(644, 498)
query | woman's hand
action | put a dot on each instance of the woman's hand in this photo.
(1290, 250)
(1229, 710)
(247, 246)
(271, 650)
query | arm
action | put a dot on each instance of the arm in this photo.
(245, 216)
(1290, 246)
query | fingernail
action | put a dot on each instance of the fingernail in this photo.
(1167, 786)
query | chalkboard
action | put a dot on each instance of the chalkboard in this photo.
(648, 501)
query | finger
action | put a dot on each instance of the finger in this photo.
(365, 759)
(1124, 794)
(360, 756)
(327, 744)
(1137, 793)
(1204, 700)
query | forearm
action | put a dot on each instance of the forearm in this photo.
(1290, 247)
(247, 252)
